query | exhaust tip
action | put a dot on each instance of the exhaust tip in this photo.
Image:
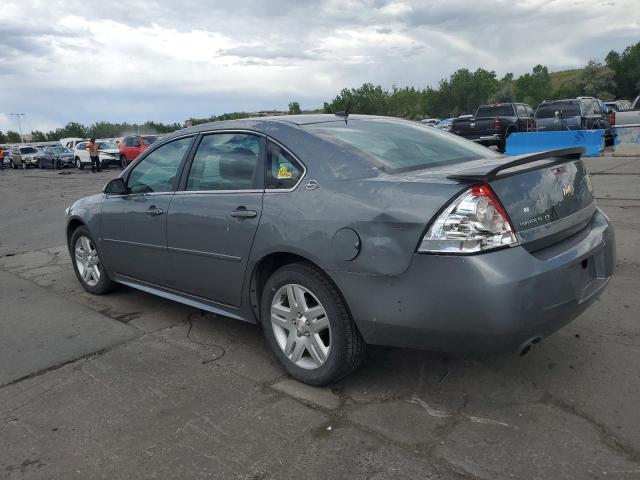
(526, 346)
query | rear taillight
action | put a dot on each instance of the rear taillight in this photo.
(474, 222)
(496, 124)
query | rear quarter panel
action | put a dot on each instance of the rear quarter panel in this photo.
(389, 213)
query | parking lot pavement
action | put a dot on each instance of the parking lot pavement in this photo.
(128, 385)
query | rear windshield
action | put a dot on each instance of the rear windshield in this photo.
(60, 150)
(398, 146)
(28, 150)
(495, 111)
(548, 110)
(149, 140)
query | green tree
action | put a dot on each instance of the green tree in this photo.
(506, 92)
(595, 80)
(368, 99)
(626, 68)
(294, 108)
(13, 137)
(533, 88)
(3, 138)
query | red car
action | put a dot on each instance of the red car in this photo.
(132, 145)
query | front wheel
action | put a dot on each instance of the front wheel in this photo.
(86, 263)
(123, 162)
(79, 164)
(308, 326)
(12, 165)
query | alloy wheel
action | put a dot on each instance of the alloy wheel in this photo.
(301, 326)
(87, 261)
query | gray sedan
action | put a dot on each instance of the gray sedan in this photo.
(334, 232)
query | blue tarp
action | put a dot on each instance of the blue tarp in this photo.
(529, 142)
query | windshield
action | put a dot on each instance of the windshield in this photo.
(397, 146)
(548, 110)
(495, 111)
(28, 150)
(148, 140)
(107, 145)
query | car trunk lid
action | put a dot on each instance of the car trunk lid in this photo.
(547, 195)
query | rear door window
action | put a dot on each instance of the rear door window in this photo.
(225, 161)
(283, 171)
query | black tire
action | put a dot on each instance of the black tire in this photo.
(347, 345)
(105, 284)
(11, 164)
(79, 164)
(123, 162)
(56, 165)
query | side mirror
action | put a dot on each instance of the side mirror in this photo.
(115, 187)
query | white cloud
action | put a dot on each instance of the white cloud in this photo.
(162, 60)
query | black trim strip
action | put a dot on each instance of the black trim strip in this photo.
(220, 256)
(136, 244)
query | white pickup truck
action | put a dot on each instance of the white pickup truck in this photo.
(631, 116)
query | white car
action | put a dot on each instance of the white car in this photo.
(71, 142)
(107, 152)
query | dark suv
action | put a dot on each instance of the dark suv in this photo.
(573, 114)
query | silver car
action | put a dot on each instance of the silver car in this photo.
(335, 232)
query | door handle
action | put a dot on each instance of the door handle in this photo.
(242, 212)
(153, 211)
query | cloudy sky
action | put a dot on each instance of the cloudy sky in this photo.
(167, 60)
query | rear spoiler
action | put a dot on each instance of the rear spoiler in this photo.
(489, 172)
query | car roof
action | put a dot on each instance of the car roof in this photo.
(262, 123)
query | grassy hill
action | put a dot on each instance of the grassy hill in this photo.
(558, 78)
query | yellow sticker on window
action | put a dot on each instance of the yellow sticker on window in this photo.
(283, 172)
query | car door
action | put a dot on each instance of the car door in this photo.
(134, 226)
(81, 152)
(45, 158)
(214, 216)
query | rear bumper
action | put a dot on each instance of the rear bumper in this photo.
(491, 302)
(487, 139)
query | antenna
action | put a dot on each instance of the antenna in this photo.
(344, 113)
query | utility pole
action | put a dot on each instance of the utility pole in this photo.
(18, 115)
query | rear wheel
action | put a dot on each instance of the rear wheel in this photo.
(308, 326)
(86, 263)
(123, 162)
(11, 164)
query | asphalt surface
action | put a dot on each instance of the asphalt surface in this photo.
(128, 385)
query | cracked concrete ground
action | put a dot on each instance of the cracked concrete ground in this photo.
(128, 385)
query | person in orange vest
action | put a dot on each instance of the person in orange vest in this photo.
(92, 148)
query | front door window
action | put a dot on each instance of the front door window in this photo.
(157, 171)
